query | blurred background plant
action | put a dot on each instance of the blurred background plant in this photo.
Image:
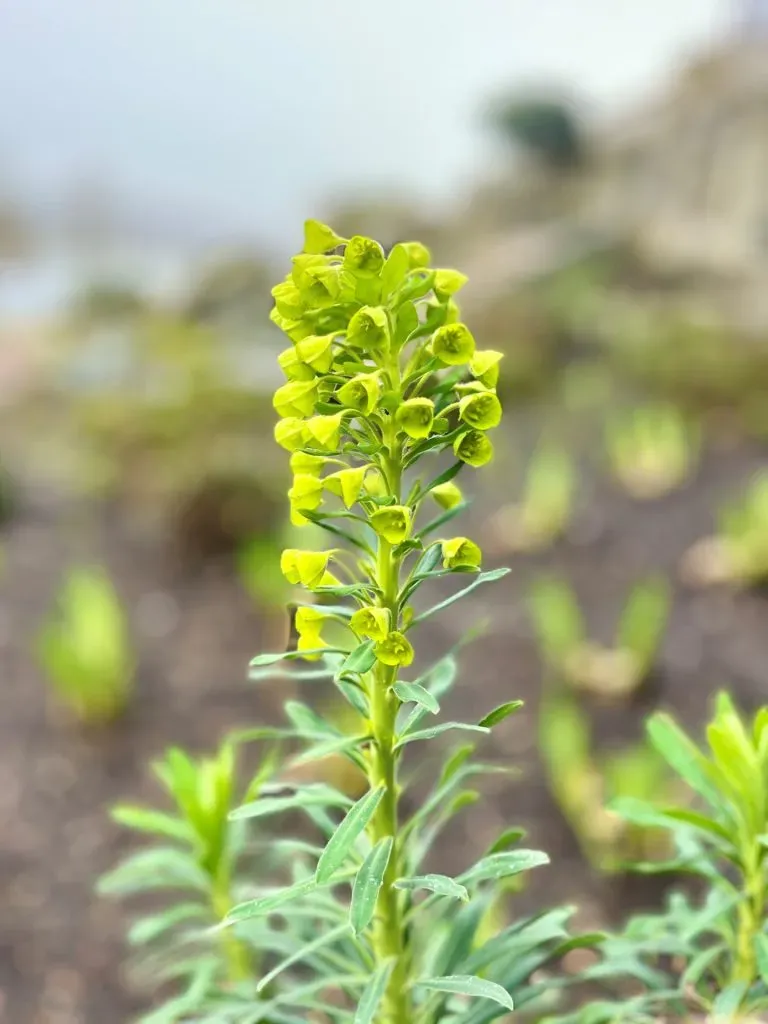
(84, 648)
(738, 552)
(651, 450)
(206, 858)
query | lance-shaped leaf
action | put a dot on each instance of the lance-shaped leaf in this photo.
(503, 865)
(271, 901)
(469, 985)
(344, 838)
(417, 694)
(373, 993)
(368, 882)
(484, 577)
(500, 713)
(317, 795)
(441, 885)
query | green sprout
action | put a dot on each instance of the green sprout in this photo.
(545, 509)
(85, 650)
(705, 957)
(738, 553)
(616, 671)
(651, 450)
(204, 855)
(582, 779)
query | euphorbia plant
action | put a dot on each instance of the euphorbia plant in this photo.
(383, 379)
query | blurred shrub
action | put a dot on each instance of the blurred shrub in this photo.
(172, 433)
(547, 129)
(706, 366)
(233, 291)
(84, 648)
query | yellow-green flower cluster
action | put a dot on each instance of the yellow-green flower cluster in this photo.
(380, 371)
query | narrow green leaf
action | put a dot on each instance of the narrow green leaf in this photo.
(729, 1000)
(761, 954)
(361, 659)
(325, 748)
(155, 822)
(324, 939)
(417, 694)
(368, 881)
(148, 928)
(503, 865)
(479, 580)
(266, 904)
(455, 761)
(510, 837)
(436, 730)
(317, 795)
(500, 713)
(307, 721)
(682, 755)
(442, 885)
(469, 985)
(373, 993)
(354, 695)
(273, 659)
(344, 838)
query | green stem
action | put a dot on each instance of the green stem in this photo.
(239, 967)
(751, 914)
(389, 938)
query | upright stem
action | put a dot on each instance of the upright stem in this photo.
(751, 915)
(239, 967)
(389, 934)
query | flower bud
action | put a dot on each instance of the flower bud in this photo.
(319, 238)
(375, 484)
(317, 280)
(418, 255)
(461, 553)
(296, 329)
(309, 623)
(482, 411)
(312, 465)
(325, 430)
(305, 494)
(453, 344)
(293, 367)
(415, 417)
(485, 366)
(448, 282)
(361, 393)
(447, 495)
(474, 448)
(288, 299)
(369, 330)
(308, 568)
(363, 256)
(291, 433)
(296, 398)
(392, 523)
(371, 622)
(316, 351)
(394, 650)
(346, 484)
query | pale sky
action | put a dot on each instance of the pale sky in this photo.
(244, 114)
